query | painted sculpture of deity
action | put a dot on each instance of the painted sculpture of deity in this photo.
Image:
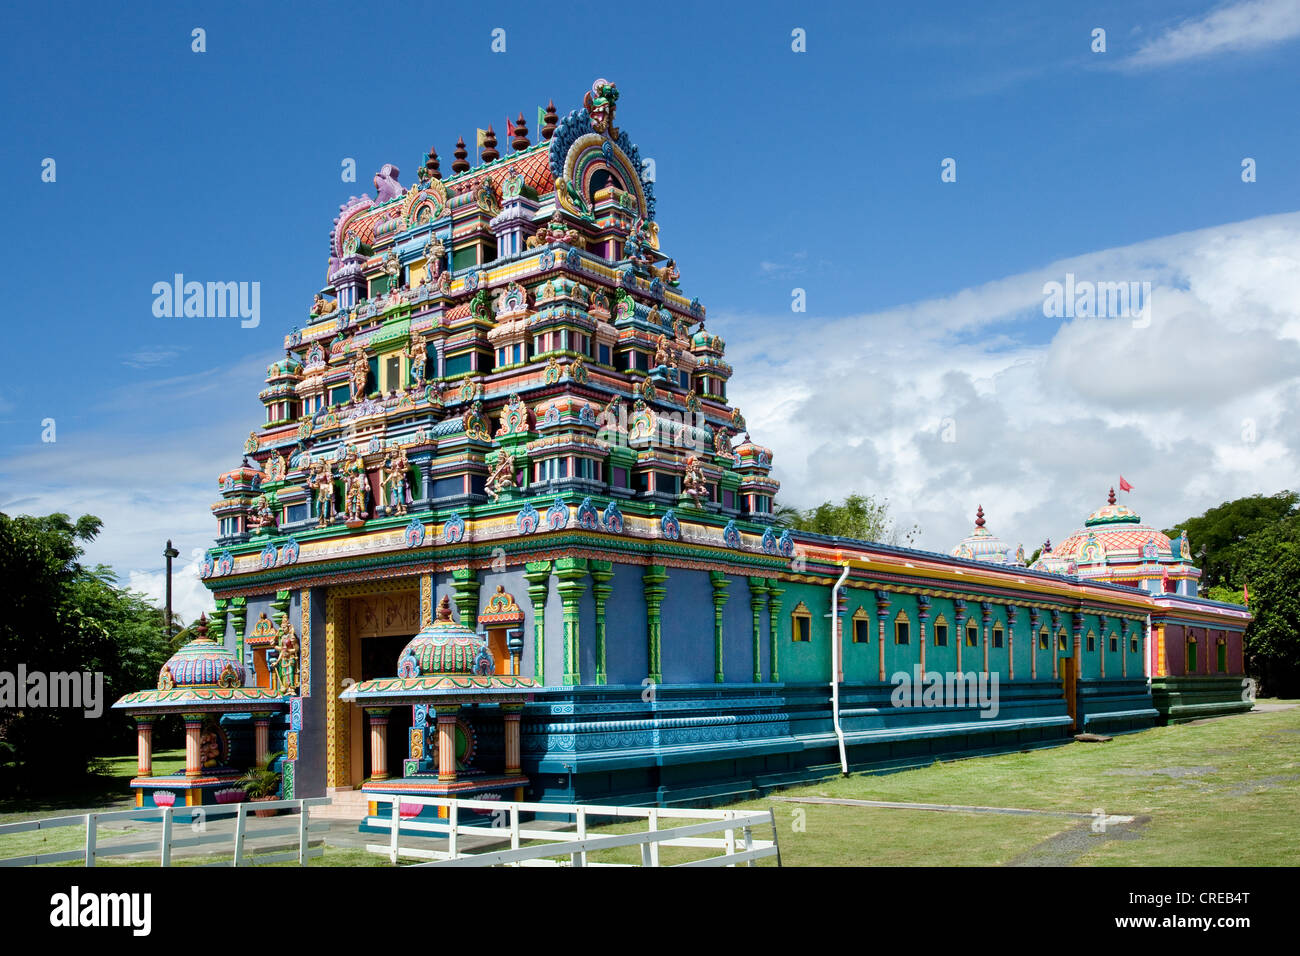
(502, 477)
(418, 356)
(693, 484)
(354, 487)
(556, 230)
(663, 357)
(209, 747)
(600, 103)
(322, 482)
(284, 675)
(397, 481)
(323, 306)
(434, 251)
(359, 374)
(667, 272)
(262, 518)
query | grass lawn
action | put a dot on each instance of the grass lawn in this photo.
(1216, 793)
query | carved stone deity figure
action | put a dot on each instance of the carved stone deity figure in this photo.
(397, 481)
(284, 675)
(693, 484)
(502, 477)
(322, 482)
(418, 356)
(434, 251)
(262, 518)
(359, 374)
(354, 487)
(662, 356)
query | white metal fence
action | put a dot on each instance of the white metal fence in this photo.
(199, 820)
(568, 843)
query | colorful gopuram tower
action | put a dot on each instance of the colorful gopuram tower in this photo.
(502, 405)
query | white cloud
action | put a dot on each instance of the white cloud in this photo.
(1234, 28)
(1046, 417)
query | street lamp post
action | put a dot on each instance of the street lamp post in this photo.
(169, 552)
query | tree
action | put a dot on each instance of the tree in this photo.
(861, 517)
(1254, 543)
(62, 618)
(1218, 534)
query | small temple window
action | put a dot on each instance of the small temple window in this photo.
(1062, 641)
(1191, 654)
(1221, 646)
(800, 623)
(603, 355)
(940, 631)
(972, 634)
(393, 374)
(1114, 642)
(861, 627)
(340, 395)
(1092, 641)
(1042, 639)
(997, 635)
(1133, 644)
(902, 629)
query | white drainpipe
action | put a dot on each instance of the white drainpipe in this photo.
(835, 667)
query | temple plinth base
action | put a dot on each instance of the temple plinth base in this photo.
(503, 787)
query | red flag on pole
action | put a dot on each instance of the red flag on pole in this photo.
(1124, 485)
(510, 128)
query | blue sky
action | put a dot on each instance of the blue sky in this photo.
(775, 170)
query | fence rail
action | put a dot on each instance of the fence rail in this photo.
(571, 846)
(167, 839)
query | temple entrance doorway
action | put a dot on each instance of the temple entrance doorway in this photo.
(380, 625)
(1069, 681)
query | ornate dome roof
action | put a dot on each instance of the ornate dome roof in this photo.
(983, 545)
(445, 647)
(1114, 534)
(202, 663)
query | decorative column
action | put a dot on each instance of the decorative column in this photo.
(1076, 629)
(378, 743)
(465, 584)
(217, 621)
(144, 746)
(986, 619)
(511, 714)
(280, 605)
(238, 615)
(719, 581)
(1033, 643)
(653, 581)
(882, 614)
(261, 738)
(193, 730)
(758, 601)
(1101, 625)
(1124, 626)
(447, 742)
(538, 574)
(1012, 611)
(572, 573)
(959, 617)
(601, 589)
(774, 592)
(922, 615)
(426, 600)
(1055, 643)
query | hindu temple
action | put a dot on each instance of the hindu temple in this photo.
(500, 530)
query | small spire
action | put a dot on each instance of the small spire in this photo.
(1111, 499)
(432, 166)
(979, 516)
(444, 609)
(1047, 546)
(460, 164)
(520, 142)
(202, 627)
(490, 154)
(549, 120)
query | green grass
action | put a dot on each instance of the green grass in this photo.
(1218, 793)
